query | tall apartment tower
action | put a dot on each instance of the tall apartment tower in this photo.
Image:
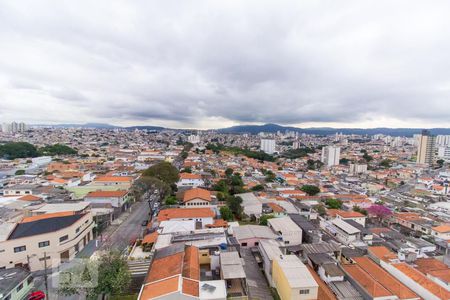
(268, 146)
(425, 152)
(331, 155)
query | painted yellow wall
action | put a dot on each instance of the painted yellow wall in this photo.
(281, 283)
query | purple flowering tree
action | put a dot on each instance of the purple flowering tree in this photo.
(379, 211)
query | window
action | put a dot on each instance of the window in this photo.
(19, 287)
(77, 230)
(304, 292)
(20, 249)
(29, 280)
(205, 254)
(7, 297)
(244, 244)
(63, 238)
(44, 244)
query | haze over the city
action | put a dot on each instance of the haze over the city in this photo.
(199, 64)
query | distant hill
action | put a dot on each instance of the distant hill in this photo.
(86, 125)
(150, 128)
(272, 128)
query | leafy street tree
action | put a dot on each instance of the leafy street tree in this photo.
(226, 213)
(113, 278)
(164, 171)
(440, 163)
(311, 190)
(344, 161)
(147, 183)
(264, 218)
(333, 203)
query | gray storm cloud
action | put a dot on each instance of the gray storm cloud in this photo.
(184, 62)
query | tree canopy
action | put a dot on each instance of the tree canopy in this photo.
(15, 150)
(57, 149)
(164, 171)
(311, 190)
(226, 213)
(333, 203)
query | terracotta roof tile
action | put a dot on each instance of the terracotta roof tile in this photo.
(106, 194)
(160, 288)
(197, 193)
(384, 278)
(114, 179)
(190, 287)
(179, 213)
(421, 279)
(370, 285)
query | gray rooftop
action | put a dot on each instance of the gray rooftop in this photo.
(10, 278)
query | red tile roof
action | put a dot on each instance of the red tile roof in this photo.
(107, 194)
(421, 279)
(370, 285)
(184, 213)
(197, 193)
(114, 179)
(47, 216)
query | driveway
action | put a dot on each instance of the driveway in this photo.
(258, 288)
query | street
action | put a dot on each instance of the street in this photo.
(128, 230)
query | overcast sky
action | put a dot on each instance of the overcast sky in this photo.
(208, 64)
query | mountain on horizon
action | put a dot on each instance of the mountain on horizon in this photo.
(273, 128)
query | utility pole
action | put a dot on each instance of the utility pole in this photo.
(45, 275)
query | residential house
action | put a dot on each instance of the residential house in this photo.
(290, 233)
(190, 180)
(15, 284)
(197, 197)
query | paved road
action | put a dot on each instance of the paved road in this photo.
(258, 288)
(128, 230)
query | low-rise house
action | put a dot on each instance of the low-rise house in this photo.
(190, 180)
(15, 284)
(20, 190)
(197, 197)
(203, 216)
(269, 250)
(55, 237)
(441, 231)
(119, 200)
(293, 280)
(113, 180)
(344, 232)
(290, 233)
(251, 235)
(232, 271)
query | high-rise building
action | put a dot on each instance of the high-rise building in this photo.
(443, 140)
(331, 155)
(268, 146)
(426, 148)
(444, 153)
(13, 127)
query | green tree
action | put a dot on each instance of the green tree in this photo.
(360, 210)
(234, 203)
(147, 183)
(344, 161)
(113, 278)
(264, 218)
(311, 190)
(270, 176)
(367, 157)
(229, 172)
(440, 163)
(171, 200)
(19, 172)
(226, 213)
(221, 186)
(57, 149)
(333, 203)
(385, 163)
(257, 188)
(164, 171)
(320, 209)
(187, 170)
(15, 150)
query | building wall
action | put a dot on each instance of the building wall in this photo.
(23, 292)
(284, 289)
(197, 203)
(34, 254)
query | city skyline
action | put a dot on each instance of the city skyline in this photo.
(216, 65)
